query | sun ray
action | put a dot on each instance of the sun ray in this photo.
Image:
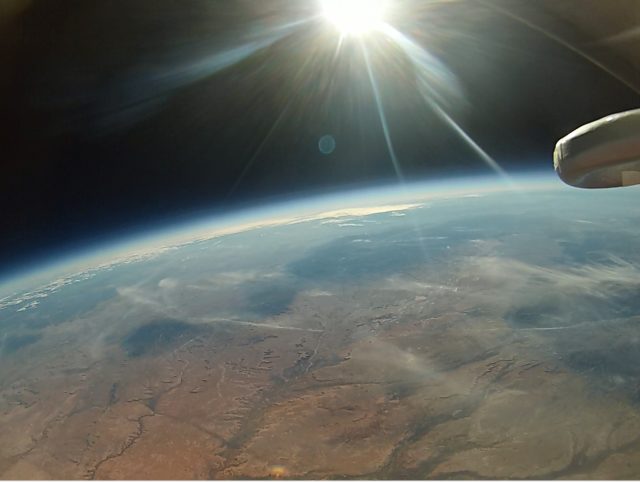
(338, 48)
(436, 85)
(564, 43)
(247, 167)
(381, 114)
(392, 153)
(273, 128)
(197, 69)
(434, 75)
(488, 160)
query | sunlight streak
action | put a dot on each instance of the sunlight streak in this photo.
(141, 90)
(247, 167)
(434, 75)
(272, 129)
(338, 48)
(489, 161)
(392, 153)
(562, 42)
(433, 79)
(381, 114)
(234, 55)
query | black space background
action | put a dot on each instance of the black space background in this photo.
(94, 145)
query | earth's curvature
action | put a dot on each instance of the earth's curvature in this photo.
(432, 332)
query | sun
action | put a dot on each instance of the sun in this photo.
(354, 17)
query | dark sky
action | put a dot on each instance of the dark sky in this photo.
(119, 115)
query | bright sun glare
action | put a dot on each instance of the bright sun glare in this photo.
(354, 17)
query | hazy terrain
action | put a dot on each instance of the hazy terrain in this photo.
(472, 337)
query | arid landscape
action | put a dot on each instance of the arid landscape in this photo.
(478, 364)
(402, 387)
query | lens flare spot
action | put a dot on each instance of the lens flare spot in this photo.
(327, 144)
(277, 472)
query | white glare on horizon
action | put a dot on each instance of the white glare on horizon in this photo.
(354, 17)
